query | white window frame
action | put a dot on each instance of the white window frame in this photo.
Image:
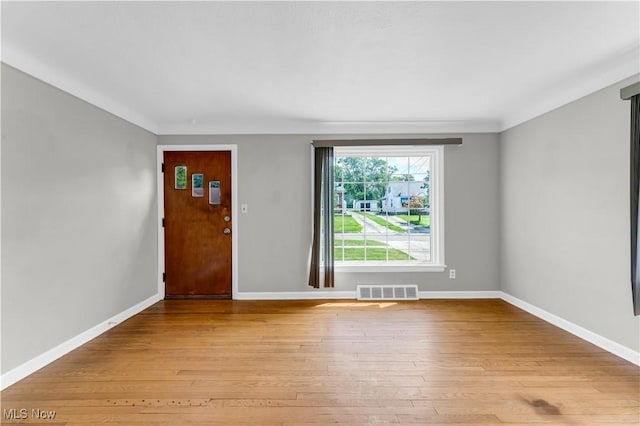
(437, 263)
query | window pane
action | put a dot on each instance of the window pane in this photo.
(375, 169)
(383, 205)
(337, 169)
(418, 165)
(351, 169)
(399, 165)
(344, 223)
(374, 192)
(353, 192)
(398, 177)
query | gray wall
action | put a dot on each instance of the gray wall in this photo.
(565, 214)
(274, 178)
(78, 217)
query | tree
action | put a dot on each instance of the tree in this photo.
(362, 178)
(416, 206)
(427, 189)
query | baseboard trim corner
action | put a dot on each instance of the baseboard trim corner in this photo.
(588, 335)
(18, 373)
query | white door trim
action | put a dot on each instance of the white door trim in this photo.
(234, 206)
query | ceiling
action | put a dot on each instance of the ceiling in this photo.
(324, 67)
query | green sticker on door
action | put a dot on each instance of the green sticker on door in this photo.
(214, 192)
(180, 177)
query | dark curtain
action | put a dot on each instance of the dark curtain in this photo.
(635, 187)
(321, 269)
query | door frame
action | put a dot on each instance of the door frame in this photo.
(234, 208)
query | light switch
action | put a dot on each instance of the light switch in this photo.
(244, 208)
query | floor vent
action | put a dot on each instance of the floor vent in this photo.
(387, 292)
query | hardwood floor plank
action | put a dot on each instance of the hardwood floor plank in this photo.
(447, 362)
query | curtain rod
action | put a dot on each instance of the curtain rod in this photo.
(370, 142)
(628, 92)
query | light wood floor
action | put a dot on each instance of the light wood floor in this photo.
(333, 362)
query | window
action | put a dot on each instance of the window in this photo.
(388, 204)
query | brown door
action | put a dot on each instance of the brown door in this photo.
(197, 229)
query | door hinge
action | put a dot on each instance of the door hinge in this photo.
(164, 277)
(163, 222)
(162, 168)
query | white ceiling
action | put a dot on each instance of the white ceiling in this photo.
(324, 67)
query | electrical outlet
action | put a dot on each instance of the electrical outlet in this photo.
(452, 274)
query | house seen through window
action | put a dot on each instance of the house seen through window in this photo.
(386, 206)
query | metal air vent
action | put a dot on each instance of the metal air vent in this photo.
(387, 292)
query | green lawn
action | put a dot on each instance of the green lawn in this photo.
(339, 243)
(375, 253)
(346, 224)
(380, 221)
(376, 250)
(425, 219)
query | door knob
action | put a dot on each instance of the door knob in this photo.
(227, 231)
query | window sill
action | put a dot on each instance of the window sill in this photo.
(385, 267)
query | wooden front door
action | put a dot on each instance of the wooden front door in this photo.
(197, 226)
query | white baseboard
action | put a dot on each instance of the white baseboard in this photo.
(332, 294)
(295, 295)
(33, 365)
(591, 337)
(460, 294)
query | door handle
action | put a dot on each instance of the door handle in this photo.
(227, 231)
